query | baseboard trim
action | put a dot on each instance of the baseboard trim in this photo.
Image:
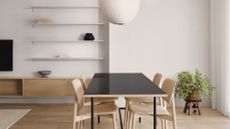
(34, 100)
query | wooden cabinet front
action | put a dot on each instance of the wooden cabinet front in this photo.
(47, 88)
(11, 87)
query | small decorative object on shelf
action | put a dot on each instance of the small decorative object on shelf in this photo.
(42, 21)
(44, 73)
(89, 36)
(64, 7)
(70, 58)
(63, 56)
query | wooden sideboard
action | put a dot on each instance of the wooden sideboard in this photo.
(36, 87)
(11, 86)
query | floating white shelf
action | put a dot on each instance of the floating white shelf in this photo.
(66, 41)
(64, 7)
(71, 24)
(67, 59)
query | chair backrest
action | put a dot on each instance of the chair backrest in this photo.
(157, 79)
(79, 91)
(168, 87)
(86, 80)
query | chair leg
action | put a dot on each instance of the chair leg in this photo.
(81, 124)
(174, 120)
(74, 125)
(174, 124)
(174, 114)
(162, 124)
(127, 120)
(78, 125)
(114, 121)
(74, 115)
(134, 121)
(131, 121)
(126, 113)
(166, 124)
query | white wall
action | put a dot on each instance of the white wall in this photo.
(16, 23)
(220, 54)
(167, 36)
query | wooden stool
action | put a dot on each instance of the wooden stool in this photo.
(192, 104)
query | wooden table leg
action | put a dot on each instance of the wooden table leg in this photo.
(194, 106)
(190, 108)
(198, 108)
(186, 107)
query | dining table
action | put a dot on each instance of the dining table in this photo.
(122, 85)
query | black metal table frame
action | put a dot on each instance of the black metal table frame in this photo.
(121, 123)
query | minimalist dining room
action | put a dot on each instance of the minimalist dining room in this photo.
(114, 64)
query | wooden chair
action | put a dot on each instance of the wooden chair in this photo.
(156, 80)
(102, 100)
(82, 112)
(162, 112)
(86, 81)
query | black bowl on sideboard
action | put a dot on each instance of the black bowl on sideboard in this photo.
(44, 73)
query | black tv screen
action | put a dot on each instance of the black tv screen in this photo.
(6, 55)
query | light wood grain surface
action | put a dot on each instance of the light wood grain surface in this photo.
(36, 87)
(11, 87)
(60, 117)
(8, 117)
(47, 87)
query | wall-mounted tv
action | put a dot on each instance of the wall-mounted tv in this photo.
(6, 55)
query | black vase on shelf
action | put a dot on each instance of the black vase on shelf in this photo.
(89, 36)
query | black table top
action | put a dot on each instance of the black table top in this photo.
(122, 85)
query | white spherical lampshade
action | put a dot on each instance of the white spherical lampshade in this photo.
(120, 11)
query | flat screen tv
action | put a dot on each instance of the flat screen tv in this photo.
(6, 55)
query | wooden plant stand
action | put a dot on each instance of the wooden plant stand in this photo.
(192, 105)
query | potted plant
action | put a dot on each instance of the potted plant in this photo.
(192, 86)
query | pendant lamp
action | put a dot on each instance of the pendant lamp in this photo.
(120, 11)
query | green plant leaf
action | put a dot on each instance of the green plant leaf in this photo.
(187, 82)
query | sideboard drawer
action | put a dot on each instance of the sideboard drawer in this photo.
(47, 87)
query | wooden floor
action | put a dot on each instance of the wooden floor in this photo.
(60, 117)
(44, 116)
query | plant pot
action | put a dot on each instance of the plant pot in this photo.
(194, 95)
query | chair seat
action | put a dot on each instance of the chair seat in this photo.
(139, 99)
(102, 109)
(142, 100)
(99, 100)
(146, 109)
